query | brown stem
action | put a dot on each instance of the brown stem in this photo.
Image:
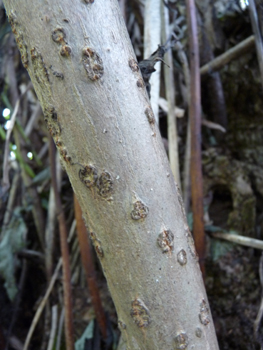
(64, 252)
(187, 156)
(195, 120)
(228, 56)
(87, 263)
(213, 89)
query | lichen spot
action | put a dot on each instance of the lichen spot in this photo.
(51, 120)
(51, 114)
(65, 51)
(88, 175)
(149, 114)
(182, 257)
(59, 36)
(105, 184)
(92, 63)
(140, 83)
(140, 210)
(133, 65)
(181, 341)
(41, 72)
(64, 154)
(204, 313)
(198, 332)
(191, 243)
(97, 244)
(18, 33)
(165, 240)
(121, 325)
(140, 313)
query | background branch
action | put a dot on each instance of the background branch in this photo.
(195, 120)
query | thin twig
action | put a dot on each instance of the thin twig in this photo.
(50, 234)
(72, 231)
(89, 268)
(54, 323)
(69, 333)
(152, 38)
(60, 328)
(258, 38)
(214, 89)
(31, 254)
(195, 120)
(43, 151)
(242, 240)
(178, 112)
(233, 53)
(187, 169)
(213, 125)
(187, 158)
(170, 96)
(42, 304)
(30, 125)
(51, 223)
(15, 343)
(74, 258)
(46, 326)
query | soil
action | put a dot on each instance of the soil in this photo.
(234, 293)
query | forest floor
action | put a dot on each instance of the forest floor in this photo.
(234, 293)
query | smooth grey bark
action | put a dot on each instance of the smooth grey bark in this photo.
(83, 68)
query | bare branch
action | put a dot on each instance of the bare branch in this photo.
(228, 56)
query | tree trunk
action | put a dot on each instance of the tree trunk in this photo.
(84, 71)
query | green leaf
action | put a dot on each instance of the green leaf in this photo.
(220, 248)
(42, 176)
(190, 220)
(5, 99)
(213, 228)
(87, 334)
(2, 133)
(28, 170)
(13, 240)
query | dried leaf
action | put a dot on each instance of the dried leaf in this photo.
(13, 240)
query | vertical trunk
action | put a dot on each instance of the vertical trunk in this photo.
(83, 68)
